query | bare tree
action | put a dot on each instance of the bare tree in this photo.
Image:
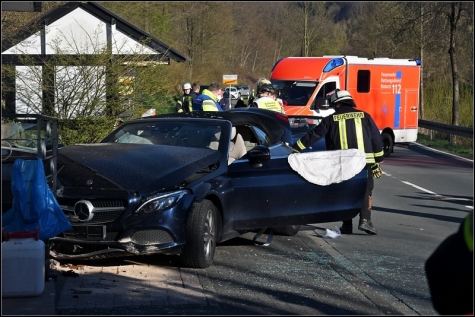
(453, 16)
(307, 19)
(71, 84)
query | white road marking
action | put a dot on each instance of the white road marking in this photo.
(428, 191)
(420, 188)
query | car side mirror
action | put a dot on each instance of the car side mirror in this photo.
(258, 154)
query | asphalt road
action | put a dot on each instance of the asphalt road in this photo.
(420, 200)
(304, 275)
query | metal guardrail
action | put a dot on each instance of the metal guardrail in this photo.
(446, 128)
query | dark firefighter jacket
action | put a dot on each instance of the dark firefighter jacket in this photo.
(347, 128)
(185, 103)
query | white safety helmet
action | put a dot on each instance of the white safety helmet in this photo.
(341, 96)
(186, 86)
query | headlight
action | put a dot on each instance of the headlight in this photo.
(160, 202)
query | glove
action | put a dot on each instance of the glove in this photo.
(295, 148)
(376, 169)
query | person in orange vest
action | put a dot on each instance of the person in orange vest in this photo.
(449, 271)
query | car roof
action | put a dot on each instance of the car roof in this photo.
(275, 124)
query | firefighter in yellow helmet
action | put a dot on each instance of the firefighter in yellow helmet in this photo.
(265, 97)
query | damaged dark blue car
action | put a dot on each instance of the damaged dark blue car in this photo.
(182, 183)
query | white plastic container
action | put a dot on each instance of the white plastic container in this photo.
(23, 264)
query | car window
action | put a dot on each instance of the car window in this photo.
(198, 135)
(262, 136)
(301, 124)
(295, 93)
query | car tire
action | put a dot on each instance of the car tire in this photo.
(388, 144)
(201, 235)
(239, 96)
(287, 230)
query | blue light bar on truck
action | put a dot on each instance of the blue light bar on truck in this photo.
(334, 63)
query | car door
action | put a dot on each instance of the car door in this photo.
(275, 195)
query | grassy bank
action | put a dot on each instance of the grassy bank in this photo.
(444, 145)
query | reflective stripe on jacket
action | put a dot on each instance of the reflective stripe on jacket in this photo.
(267, 103)
(348, 128)
(185, 103)
(207, 101)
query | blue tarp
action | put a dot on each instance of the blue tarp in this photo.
(34, 204)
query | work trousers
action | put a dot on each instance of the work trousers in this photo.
(367, 202)
(365, 212)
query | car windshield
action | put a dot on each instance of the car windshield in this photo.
(296, 93)
(198, 135)
(303, 124)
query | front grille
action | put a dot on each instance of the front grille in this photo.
(110, 236)
(113, 210)
(152, 237)
(107, 203)
(106, 216)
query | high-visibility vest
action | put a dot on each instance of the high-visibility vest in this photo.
(210, 105)
(207, 101)
(269, 104)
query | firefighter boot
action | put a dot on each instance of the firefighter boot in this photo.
(367, 226)
(347, 227)
(365, 217)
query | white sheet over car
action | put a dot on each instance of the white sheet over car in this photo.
(328, 167)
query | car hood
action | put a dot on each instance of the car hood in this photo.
(138, 167)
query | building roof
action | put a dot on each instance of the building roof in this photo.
(98, 12)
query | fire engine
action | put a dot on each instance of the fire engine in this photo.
(387, 89)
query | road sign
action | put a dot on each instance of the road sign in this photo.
(230, 79)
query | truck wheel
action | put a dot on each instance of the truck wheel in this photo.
(388, 144)
(201, 235)
(287, 230)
